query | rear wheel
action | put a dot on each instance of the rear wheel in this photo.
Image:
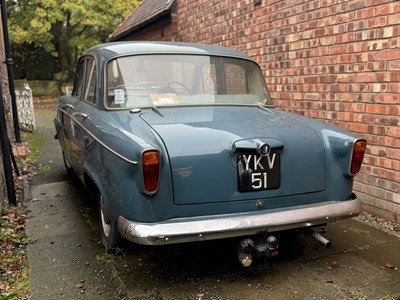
(110, 236)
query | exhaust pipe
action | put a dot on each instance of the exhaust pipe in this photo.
(319, 238)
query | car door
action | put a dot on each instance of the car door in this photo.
(67, 109)
(76, 114)
(83, 109)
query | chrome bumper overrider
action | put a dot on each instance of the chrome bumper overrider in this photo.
(182, 230)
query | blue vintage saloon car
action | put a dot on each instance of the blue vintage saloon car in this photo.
(181, 142)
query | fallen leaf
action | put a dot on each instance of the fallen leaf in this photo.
(334, 264)
(47, 226)
(388, 265)
(140, 263)
(13, 267)
(13, 217)
(4, 287)
(19, 227)
(331, 281)
(94, 239)
(79, 286)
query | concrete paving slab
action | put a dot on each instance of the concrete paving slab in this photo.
(55, 206)
(53, 190)
(64, 249)
(59, 284)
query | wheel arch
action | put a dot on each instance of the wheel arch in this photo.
(92, 186)
(112, 239)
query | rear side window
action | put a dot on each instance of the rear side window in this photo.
(90, 82)
(85, 80)
(79, 80)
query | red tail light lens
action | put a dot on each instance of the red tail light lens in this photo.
(357, 157)
(151, 170)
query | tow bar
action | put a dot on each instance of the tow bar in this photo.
(257, 248)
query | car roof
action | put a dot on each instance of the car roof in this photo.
(114, 49)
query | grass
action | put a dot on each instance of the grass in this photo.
(105, 258)
(108, 257)
(44, 168)
(14, 282)
(35, 141)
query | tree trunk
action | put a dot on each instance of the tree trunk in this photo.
(61, 36)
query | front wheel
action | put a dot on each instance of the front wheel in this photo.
(110, 236)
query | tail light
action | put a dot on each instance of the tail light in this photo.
(357, 156)
(151, 170)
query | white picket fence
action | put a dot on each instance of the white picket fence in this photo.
(26, 114)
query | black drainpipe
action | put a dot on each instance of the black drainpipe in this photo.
(4, 140)
(9, 63)
(6, 150)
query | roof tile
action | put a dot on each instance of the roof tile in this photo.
(147, 11)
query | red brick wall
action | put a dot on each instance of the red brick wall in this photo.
(164, 33)
(334, 60)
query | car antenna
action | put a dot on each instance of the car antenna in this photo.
(157, 111)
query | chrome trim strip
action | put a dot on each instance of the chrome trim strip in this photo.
(183, 230)
(100, 142)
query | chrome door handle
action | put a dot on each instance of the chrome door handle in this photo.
(85, 116)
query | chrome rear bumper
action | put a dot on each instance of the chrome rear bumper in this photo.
(183, 230)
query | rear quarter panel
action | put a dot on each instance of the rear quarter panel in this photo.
(117, 173)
